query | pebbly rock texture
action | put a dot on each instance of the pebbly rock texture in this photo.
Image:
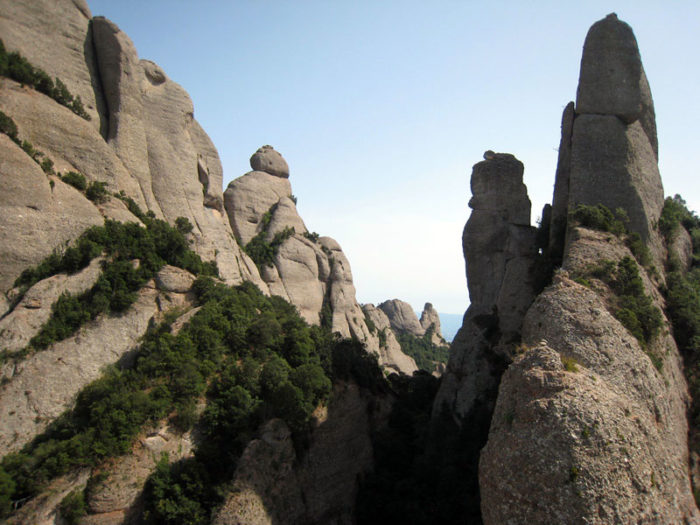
(590, 425)
(389, 352)
(586, 430)
(500, 251)
(430, 318)
(271, 485)
(402, 317)
(609, 150)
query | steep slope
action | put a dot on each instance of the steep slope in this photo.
(590, 423)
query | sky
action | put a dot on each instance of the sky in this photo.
(381, 108)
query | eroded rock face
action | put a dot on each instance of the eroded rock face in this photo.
(609, 150)
(586, 429)
(26, 319)
(429, 317)
(609, 444)
(500, 250)
(402, 317)
(309, 271)
(36, 217)
(389, 350)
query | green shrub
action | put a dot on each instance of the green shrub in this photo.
(77, 180)
(97, 191)
(73, 507)
(8, 127)
(600, 217)
(424, 352)
(18, 68)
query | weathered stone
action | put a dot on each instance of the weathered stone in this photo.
(172, 279)
(429, 317)
(612, 80)
(613, 164)
(36, 218)
(389, 353)
(270, 161)
(56, 37)
(402, 317)
(26, 319)
(122, 480)
(285, 216)
(249, 197)
(44, 384)
(608, 402)
(500, 250)
(560, 200)
(681, 247)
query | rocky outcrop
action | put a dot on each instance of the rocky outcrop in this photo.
(113, 496)
(389, 350)
(34, 309)
(56, 37)
(402, 317)
(36, 217)
(609, 150)
(309, 271)
(590, 424)
(610, 440)
(500, 251)
(429, 318)
(271, 486)
(38, 388)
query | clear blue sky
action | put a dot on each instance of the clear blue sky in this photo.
(381, 108)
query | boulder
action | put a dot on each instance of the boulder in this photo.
(172, 279)
(402, 317)
(270, 161)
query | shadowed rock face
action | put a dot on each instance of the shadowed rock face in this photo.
(586, 429)
(499, 249)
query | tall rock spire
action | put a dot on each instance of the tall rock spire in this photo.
(609, 149)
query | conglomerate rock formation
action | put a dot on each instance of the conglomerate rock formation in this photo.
(567, 416)
(589, 423)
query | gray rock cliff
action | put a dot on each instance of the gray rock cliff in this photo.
(590, 424)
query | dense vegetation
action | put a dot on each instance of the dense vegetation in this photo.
(133, 255)
(424, 352)
(253, 358)
(18, 68)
